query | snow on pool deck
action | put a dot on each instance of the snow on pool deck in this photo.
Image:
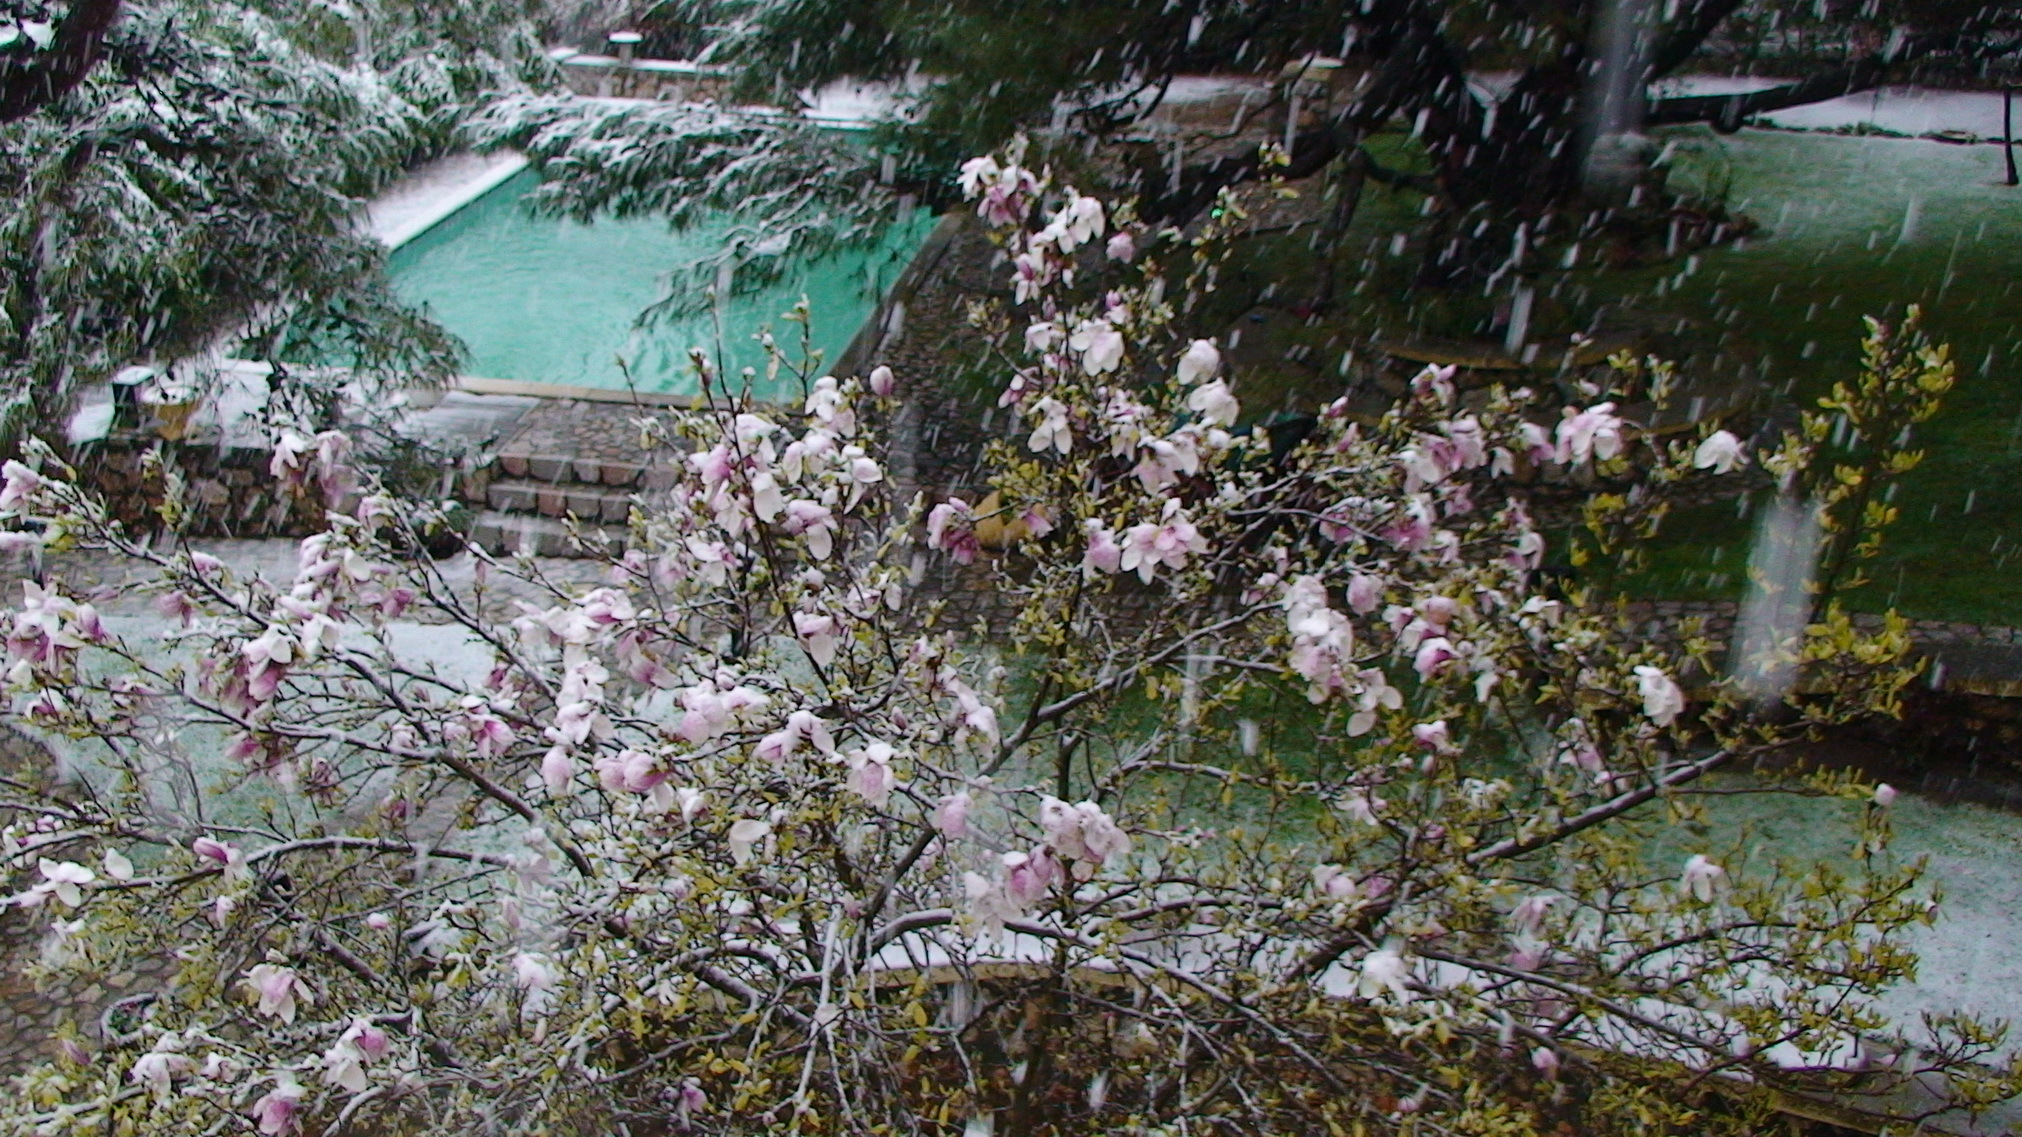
(432, 191)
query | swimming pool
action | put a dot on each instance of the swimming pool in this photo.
(546, 300)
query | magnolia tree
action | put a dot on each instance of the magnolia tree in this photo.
(1287, 796)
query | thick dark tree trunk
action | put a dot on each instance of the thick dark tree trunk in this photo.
(26, 87)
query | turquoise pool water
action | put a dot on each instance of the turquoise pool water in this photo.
(552, 301)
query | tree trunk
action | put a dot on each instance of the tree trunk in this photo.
(80, 39)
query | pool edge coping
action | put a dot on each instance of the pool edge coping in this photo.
(455, 199)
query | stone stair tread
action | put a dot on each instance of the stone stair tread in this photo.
(554, 499)
(502, 533)
(583, 469)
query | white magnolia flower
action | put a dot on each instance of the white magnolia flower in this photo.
(1662, 700)
(1701, 878)
(1052, 431)
(1384, 970)
(117, 866)
(1720, 453)
(65, 880)
(1100, 345)
(1215, 403)
(743, 835)
(1202, 361)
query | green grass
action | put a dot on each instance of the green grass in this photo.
(1852, 226)
(1866, 226)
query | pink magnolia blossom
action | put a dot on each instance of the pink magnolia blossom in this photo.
(1433, 737)
(870, 773)
(1081, 833)
(1413, 528)
(976, 716)
(712, 707)
(1030, 274)
(630, 771)
(691, 1100)
(288, 464)
(1104, 555)
(801, 726)
(1376, 694)
(882, 381)
(1122, 422)
(977, 174)
(1537, 442)
(1334, 882)
(819, 632)
(951, 526)
(1081, 220)
(1121, 247)
(1100, 345)
(1468, 443)
(951, 817)
(1435, 382)
(1365, 592)
(1323, 642)
(65, 880)
(558, 769)
(221, 853)
(813, 521)
(1166, 460)
(1027, 877)
(20, 483)
(1166, 542)
(1433, 655)
(276, 1114)
(1592, 433)
(1885, 795)
(344, 1063)
(277, 990)
(1361, 805)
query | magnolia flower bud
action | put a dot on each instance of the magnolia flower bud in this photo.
(1885, 795)
(952, 816)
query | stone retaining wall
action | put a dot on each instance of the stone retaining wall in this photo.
(228, 491)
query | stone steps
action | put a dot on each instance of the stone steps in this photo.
(564, 458)
(584, 469)
(507, 534)
(590, 503)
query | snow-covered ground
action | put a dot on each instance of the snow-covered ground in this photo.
(1902, 110)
